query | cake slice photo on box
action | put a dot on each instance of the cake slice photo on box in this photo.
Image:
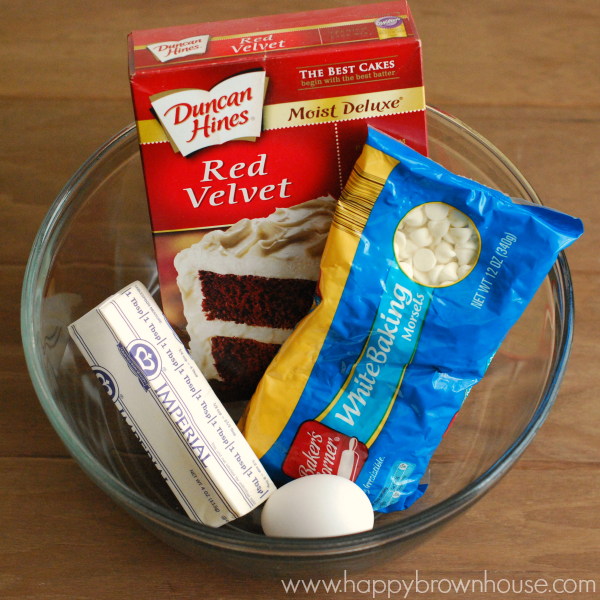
(244, 290)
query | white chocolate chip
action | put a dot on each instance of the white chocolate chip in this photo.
(409, 249)
(422, 237)
(464, 271)
(399, 240)
(458, 219)
(461, 235)
(464, 255)
(424, 259)
(439, 228)
(416, 217)
(434, 243)
(407, 268)
(434, 274)
(436, 211)
(468, 244)
(449, 273)
(444, 252)
(451, 268)
(421, 277)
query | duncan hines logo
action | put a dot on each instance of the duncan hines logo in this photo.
(165, 51)
(196, 119)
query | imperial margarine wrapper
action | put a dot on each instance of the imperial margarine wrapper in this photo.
(163, 396)
(423, 274)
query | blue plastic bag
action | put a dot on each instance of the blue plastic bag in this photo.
(423, 275)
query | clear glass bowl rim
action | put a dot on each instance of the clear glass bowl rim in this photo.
(40, 261)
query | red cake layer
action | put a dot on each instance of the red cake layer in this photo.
(241, 363)
(257, 301)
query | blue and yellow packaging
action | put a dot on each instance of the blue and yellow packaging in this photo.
(423, 275)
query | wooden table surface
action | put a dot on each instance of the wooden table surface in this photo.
(524, 73)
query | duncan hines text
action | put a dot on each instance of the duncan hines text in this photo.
(165, 51)
(196, 119)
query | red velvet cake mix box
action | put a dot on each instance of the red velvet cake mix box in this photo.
(248, 132)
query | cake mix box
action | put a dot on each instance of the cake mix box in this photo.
(249, 130)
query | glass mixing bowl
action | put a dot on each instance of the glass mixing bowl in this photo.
(96, 239)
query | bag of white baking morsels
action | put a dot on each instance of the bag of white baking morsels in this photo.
(423, 275)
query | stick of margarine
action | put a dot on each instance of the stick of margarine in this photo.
(173, 411)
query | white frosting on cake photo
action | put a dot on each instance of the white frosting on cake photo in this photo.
(286, 245)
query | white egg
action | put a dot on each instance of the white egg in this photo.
(317, 506)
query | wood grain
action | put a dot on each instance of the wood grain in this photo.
(525, 74)
(83, 546)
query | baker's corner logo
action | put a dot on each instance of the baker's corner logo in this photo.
(195, 119)
(165, 51)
